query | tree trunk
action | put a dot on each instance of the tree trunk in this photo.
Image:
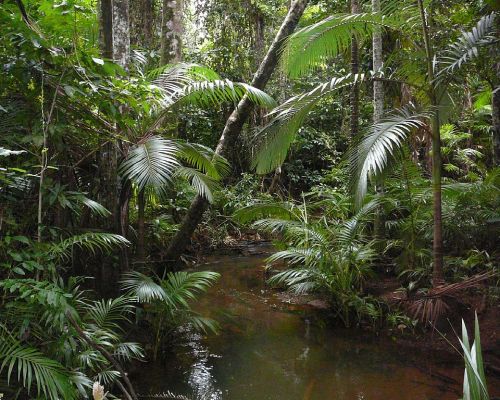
(171, 31)
(121, 55)
(121, 33)
(106, 28)
(141, 206)
(495, 114)
(437, 273)
(354, 70)
(233, 128)
(378, 111)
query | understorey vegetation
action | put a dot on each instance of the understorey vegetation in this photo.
(361, 138)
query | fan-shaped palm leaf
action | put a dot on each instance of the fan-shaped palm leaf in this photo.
(151, 162)
(142, 288)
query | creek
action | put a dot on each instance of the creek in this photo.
(269, 349)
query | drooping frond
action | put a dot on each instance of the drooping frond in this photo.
(203, 184)
(371, 155)
(300, 281)
(94, 206)
(283, 210)
(34, 368)
(208, 93)
(151, 163)
(350, 228)
(311, 46)
(172, 79)
(276, 138)
(204, 159)
(90, 241)
(468, 44)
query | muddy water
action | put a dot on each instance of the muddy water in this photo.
(268, 350)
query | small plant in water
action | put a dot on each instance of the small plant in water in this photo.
(474, 387)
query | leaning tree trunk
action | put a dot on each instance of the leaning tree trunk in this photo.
(437, 273)
(233, 127)
(354, 70)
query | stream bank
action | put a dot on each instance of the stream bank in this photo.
(273, 349)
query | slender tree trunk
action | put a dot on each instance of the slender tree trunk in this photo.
(171, 31)
(233, 127)
(354, 70)
(141, 206)
(378, 110)
(437, 274)
(106, 28)
(121, 55)
(495, 114)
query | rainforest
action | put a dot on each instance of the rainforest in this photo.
(250, 199)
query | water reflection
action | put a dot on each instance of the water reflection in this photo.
(268, 351)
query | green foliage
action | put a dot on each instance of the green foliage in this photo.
(167, 301)
(474, 387)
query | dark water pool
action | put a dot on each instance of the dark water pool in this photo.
(268, 351)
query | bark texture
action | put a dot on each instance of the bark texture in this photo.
(233, 127)
(354, 70)
(106, 28)
(121, 33)
(378, 61)
(171, 31)
(378, 110)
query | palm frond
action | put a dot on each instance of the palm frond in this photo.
(151, 163)
(180, 287)
(468, 44)
(282, 210)
(276, 137)
(204, 159)
(208, 93)
(311, 46)
(94, 206)
(371, 155)
(203, 184)
(300, 281)
(107, 314)
(90, 241)
(142, 288)
(34, 368)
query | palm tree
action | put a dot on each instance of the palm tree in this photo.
(153, 161)
(328, 255)
(309, 47)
